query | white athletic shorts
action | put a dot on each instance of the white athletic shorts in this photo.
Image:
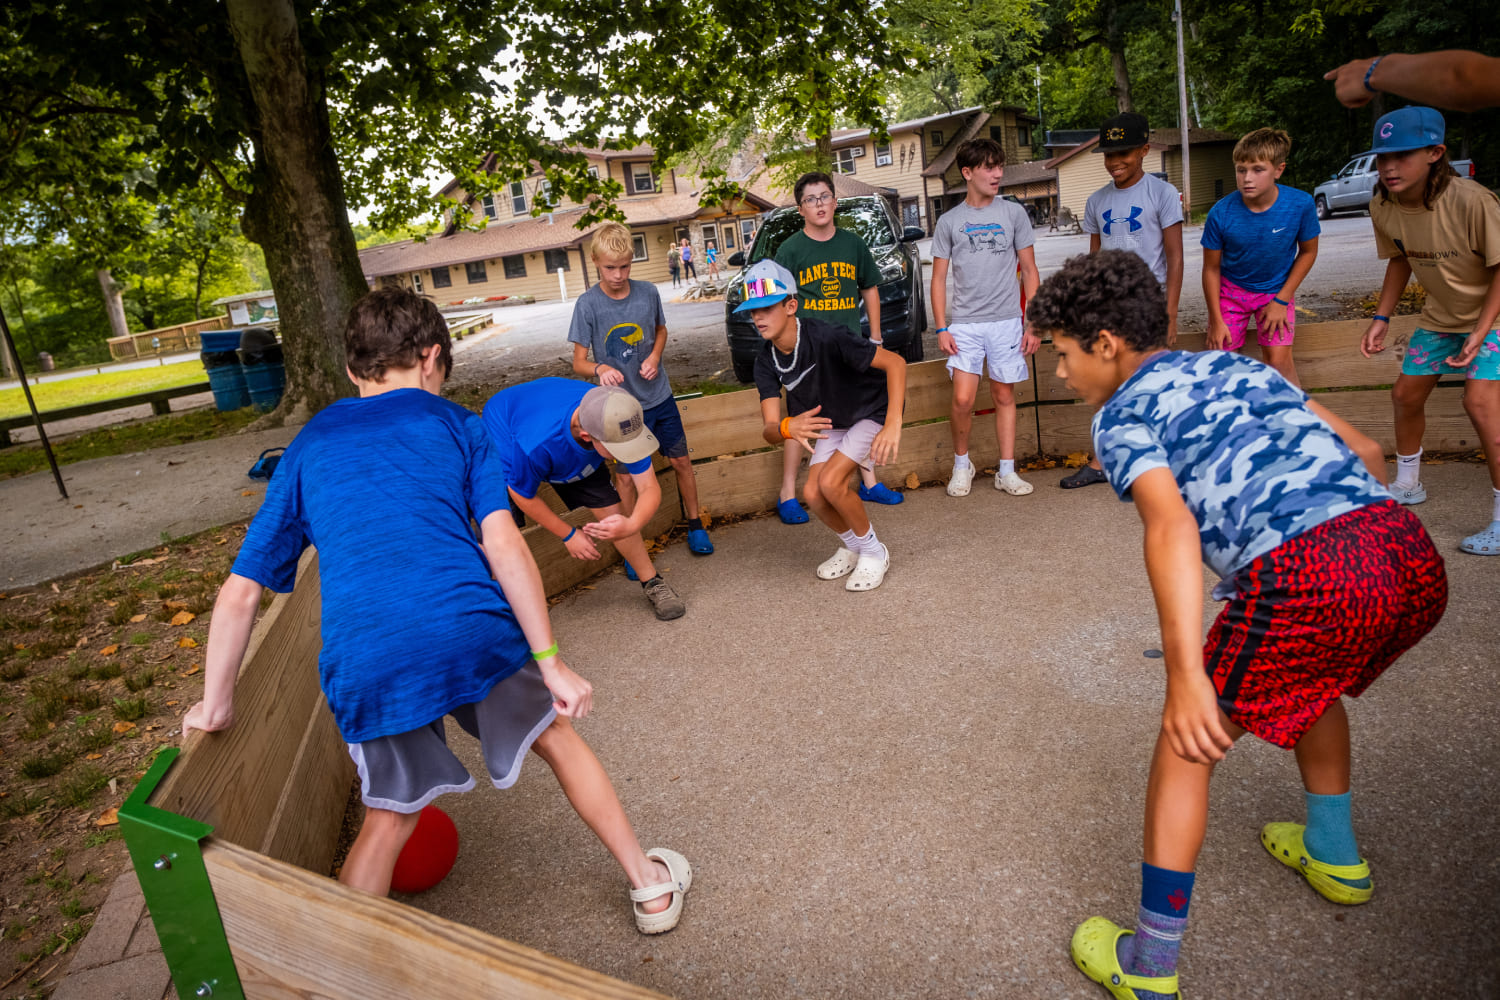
(852, 441)
(999, 343)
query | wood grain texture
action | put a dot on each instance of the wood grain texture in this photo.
(561, 571)
(305, 828)
(233, 780)
(929, 391)
(299, 936)
(722, 424)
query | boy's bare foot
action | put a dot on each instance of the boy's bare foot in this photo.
(659, 875)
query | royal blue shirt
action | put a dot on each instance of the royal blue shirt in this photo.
(413, 623)
(1259, 247)
(1255, 466)
(531, 425)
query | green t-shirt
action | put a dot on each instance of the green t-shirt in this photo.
(830, 275)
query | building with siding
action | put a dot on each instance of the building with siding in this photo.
(1080, 171)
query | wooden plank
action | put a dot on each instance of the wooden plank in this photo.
(1326, 354)
(309, 817)
(233, 780)
(295, 936)
(1065, 429)
(745, 484)
(929, 392)
(722, 424)
(561, 571)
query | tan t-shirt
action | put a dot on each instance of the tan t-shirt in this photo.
(1450, 248)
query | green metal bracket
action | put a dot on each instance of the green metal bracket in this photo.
(166, 850)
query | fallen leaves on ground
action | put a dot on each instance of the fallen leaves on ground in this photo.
(110, 650)
(122, 727)
(110, 817)
(187, 642)
(1076, 459)
(175, 605)
(913, 480)
(137, 619)
(190, 671)
(182, 618)
(247, 493)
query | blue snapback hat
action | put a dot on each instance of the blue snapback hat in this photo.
(1408, 129)
(765, 283)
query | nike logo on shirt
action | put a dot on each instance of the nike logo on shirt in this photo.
(798, 380)
(1278, 230)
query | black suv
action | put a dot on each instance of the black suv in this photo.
(903, 309)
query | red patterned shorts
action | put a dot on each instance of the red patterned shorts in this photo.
(1322, 616)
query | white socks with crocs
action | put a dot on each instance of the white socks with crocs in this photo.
(1408, 468)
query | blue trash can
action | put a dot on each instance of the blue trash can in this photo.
(220, 356)
(265, 371)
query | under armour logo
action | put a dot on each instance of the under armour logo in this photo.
(1109, 220)
(1387, 129)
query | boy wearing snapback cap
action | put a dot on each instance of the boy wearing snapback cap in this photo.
(1444, 229)
(563, 432)
(498, 672)
(1138, 212)
(846, 395)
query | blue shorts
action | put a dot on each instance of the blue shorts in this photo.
(1428, 351)
(665, 421)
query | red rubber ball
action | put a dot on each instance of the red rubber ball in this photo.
(428, 855)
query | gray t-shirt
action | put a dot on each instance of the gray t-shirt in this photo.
(621, 333)
(1132, 219)
(980, 245)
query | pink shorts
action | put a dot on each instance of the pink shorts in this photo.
(1237, 305)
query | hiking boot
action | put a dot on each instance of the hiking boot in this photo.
(664, 600)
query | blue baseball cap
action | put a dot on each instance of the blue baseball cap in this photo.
(1407, 129)
(765, 283)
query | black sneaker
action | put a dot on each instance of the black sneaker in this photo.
(664, 600)
(1086, 476)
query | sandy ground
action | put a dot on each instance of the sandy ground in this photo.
(920, 792)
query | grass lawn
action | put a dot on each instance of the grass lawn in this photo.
(178, 428)
(88, 388)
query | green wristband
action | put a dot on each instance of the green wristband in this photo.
(547, 653)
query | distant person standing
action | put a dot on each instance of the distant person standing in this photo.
(688, 270)
(1455, 79)
(711, 254)
(674, 265)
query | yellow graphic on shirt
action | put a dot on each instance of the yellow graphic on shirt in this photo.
(826, 279)
(623, 340)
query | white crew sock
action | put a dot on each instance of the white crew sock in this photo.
(870, 546)
(1495, 512)
(1007, 466)
(961, 460)
(850, 540)
(1408, 468)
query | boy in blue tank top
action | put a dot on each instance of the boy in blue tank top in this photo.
(401, 464)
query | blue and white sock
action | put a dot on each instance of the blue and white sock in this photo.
(1329, 836)
(1152, 949)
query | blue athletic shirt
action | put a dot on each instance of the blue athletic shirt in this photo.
(1259, 247)
(413, 624)
(1255, 466)
(531, 425)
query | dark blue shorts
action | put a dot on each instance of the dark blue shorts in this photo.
(665, 421)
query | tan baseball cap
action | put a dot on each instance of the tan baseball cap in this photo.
(613, 418)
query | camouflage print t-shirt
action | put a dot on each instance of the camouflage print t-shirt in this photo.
(1254, 464)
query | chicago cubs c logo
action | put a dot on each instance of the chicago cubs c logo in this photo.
(1386, 130)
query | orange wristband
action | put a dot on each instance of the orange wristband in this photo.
(786, 423)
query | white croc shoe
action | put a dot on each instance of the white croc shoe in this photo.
(963, 478)
(681, 882)
(1408, 495)
(869, 574)
(1012, 484)
(842, 564)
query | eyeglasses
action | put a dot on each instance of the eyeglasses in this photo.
(814, 200)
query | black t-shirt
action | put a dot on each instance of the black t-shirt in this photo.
(829, 367)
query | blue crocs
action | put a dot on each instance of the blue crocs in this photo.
(630, 574)
(1483, 543)
(880, 493)
(791, 512)
(698, 543)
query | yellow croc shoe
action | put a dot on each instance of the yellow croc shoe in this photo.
(1095, 952)
(1284, 842)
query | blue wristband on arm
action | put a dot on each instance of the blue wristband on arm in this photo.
(1280, 302)
(1370, 72)
(568, 537)
(1381, 319)
(942, 329)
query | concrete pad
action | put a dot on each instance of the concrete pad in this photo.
(144, 977)
(125, 503)
(114, 925)
(921, 791)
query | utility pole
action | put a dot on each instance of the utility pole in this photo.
(1182, 113)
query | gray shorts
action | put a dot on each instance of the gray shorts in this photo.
(403, 773)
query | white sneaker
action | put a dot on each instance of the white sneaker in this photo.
(1408, 495)
(963, 478)
(1012, 484)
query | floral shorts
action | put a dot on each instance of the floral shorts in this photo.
(1428, 352)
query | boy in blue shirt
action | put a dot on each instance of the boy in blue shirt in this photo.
(392, 665)
(564, 432)
(622, 323)
(1328, 580)
(1258, 244)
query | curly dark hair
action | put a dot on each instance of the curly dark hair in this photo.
(390, 328)
(1110, 290)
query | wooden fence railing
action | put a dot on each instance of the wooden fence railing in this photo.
(164, 340)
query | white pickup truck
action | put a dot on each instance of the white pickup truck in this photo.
(1351, 189)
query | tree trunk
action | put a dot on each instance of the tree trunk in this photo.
(1116, 38)
(297, 210)
(202, 265)
(114, 305)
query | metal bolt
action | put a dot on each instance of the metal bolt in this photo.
(203, 990)
(162, 863)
